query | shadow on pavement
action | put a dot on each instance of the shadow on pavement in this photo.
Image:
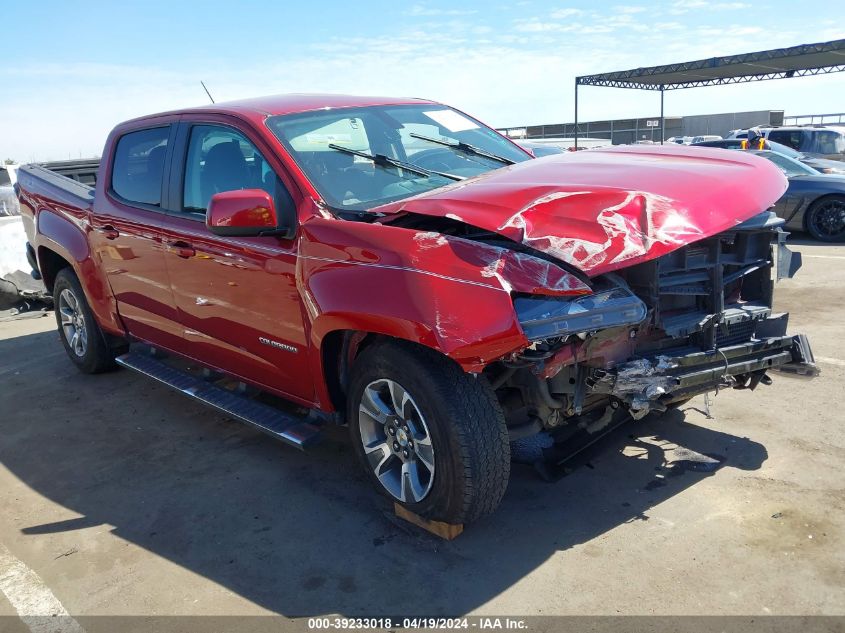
(800, 238)
(304, 534)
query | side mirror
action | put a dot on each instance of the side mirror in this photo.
(243, 213)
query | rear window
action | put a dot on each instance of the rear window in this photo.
(139, 165)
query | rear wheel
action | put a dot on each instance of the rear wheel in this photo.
(826, 219)
(81, 335)
(429, 435)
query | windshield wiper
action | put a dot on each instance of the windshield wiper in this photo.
(386, 161)
(465, 147)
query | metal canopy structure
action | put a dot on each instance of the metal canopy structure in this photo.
(780, 63)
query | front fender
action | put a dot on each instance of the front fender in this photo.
(389, 280)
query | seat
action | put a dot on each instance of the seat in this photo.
(225, 170)
(145, 187)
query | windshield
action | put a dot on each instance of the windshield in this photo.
(789, 166)
(393, 135)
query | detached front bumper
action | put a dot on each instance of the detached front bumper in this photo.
(648, 384)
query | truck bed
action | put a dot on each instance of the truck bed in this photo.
(41, 182)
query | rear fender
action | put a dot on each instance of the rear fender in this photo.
(65, 236)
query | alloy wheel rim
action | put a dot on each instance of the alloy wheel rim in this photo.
(73, 322)
(396, 440)
(829, 220)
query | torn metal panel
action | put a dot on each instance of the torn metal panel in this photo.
(639, 383)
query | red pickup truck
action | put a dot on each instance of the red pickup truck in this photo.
(397, 266)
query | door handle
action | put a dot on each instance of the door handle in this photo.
(181, 249)
(109, 232)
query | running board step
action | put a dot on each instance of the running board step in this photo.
(284, 426)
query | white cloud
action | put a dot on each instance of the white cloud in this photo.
(419, 9)
(681, 7)
(565, 13)
(535, 25)
(629, 9)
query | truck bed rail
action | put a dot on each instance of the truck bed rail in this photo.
(33, 177)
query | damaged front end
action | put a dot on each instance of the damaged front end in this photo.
(654, 334)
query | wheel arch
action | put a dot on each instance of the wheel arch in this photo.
(50, 262)
(338, 350)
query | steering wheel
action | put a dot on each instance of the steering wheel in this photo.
(438, 159)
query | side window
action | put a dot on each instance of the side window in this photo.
(222, 159)
(829, 142)
(139, 165)
(791, 138)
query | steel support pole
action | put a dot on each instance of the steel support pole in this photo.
(662, 124)
(576, 114)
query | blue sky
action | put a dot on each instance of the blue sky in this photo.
(71, 70)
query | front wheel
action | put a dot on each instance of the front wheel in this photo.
(429, 435)
(81, 335)
(826, 219)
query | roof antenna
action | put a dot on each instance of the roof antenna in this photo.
(206, 91)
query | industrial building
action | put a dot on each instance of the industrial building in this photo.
(624, 131)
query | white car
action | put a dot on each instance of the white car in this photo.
(8, 199)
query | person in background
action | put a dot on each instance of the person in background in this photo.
(754, 140)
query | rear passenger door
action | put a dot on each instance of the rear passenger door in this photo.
(236, 297)
(126, 234)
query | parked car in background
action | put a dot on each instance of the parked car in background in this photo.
(566, 144)
(821, 165)
(738, 133)
(822, 142)
(816, 141)
(813, 202)
(540, 149)
(705, 137)
(8, 200)
(679, 140)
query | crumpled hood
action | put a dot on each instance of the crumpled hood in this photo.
(600, 210)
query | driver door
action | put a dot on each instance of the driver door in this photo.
(236, 297)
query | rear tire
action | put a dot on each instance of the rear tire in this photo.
(453, 458)
(825, 219)
(81, 335)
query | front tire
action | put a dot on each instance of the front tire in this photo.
(430, 436)
(80, 333)
(826, 219)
